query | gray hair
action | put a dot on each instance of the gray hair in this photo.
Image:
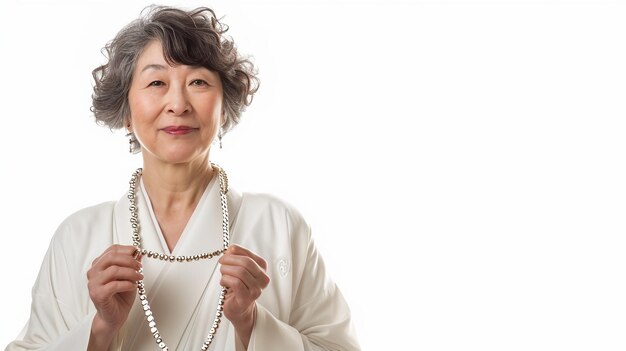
(194, 38)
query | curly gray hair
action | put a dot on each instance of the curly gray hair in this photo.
(194, 38)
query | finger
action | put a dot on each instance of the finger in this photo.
(133, 251)
(121, 249)
(115, 287)
(116, 249)
(120, 286)
(242, 251)
(241, 289)
(117, 259)
(114, 273)
(234, 285)
(240, 273)
(111, 262)
(243, 261)
(136, 253)
(261, 279)
(255, 277)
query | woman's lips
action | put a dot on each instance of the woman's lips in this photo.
(178, 130)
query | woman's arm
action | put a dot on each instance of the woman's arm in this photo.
(59, 320)
(319, 317)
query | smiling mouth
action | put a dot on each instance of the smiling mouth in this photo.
(178, 130)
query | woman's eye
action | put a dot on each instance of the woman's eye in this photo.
(199, 82)
(156, 83)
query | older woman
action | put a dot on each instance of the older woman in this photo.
(182, 261)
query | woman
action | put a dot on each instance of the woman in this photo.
(182, 261)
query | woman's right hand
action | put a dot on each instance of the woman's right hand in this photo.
(112, 282)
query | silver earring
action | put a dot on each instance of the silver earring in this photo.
(133, 143)
(219, 136)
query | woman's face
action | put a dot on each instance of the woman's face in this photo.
(175, 111)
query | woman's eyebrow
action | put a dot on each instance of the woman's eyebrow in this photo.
(154, 67)
(159, 67)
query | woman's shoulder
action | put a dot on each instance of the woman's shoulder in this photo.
(83, 235)
(265, 219)
(268, 202)
(91, 214)
(259, 204)
(85, 221)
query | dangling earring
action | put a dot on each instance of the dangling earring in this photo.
(219, 136)
(133, 143)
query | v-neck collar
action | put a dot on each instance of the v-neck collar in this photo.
(208, 194)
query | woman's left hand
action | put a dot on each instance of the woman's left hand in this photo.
(243, 274)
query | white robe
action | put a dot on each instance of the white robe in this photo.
(301, 309)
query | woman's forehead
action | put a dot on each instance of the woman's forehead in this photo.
(153, 58)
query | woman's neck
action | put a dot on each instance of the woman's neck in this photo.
(174, 191)
(176, 187)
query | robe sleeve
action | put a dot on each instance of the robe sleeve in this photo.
(57, 319)
(319, 318)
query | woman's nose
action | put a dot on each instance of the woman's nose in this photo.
(178, 102)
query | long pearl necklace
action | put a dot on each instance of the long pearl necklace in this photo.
(134, 222)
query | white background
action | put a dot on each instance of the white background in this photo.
(461, 163)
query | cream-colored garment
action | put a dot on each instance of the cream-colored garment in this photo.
(301, 309)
